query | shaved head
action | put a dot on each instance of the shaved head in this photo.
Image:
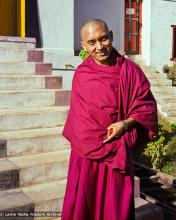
(93, 22)
(97, 40)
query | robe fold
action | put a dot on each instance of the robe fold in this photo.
(100, 178)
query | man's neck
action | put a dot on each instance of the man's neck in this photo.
(107, 62)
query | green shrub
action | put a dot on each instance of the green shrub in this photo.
(83, 54)
(156, 150)
(171, 148)
(168, 169)
(165, 68)
(170, 71)
(162, 151)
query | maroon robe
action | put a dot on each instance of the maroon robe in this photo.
(100, 178)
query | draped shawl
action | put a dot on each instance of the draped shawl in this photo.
(102, 95)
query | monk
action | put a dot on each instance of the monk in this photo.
(112, 109)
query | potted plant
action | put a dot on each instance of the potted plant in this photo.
(170, 73)
(173, 74)
(174, 81)
(165, 68)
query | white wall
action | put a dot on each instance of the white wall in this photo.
(57, 25)
(111, 11)
(163, 16)
(146, 31)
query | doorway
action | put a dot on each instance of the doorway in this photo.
(133, 26)
(12, 18)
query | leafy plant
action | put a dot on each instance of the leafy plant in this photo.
(165, 68)
(168, 168)
(171, 71)
(161, 152)
(83, 54)
(156, 150)
(171, 148)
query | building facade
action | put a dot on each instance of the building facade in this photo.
(158, 38)
(146, 27)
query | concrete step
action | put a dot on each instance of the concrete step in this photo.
(59, 60)
(40, 198)
(156, 76)
(160, 82)
(45, 197)
(63, 97)
(17, 68)
(30, 118)
(148, 69)
(33, 169)
(25, 68)
(17, 42)
(170, 113)
(26, 98)
(20, 55)
(137, 57)
(145, 210)
(139, 60)
(168, 97)
(144, 67)
(136, 187)
(166, 106)
(58, 213)
(162, 90)
(35, 56)
(49, 218)
(67, 77)
(13, 55)
(172, 119)
(34, 141)
(30, 82)
(35, 97)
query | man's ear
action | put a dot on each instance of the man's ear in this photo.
(83, 45)
(111, 35)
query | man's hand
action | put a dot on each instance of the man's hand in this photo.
(118, 128)
(114, 130)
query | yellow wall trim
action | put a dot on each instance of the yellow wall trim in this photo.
(21, 18)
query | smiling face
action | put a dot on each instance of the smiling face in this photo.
(97, 40)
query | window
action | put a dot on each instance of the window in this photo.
(173, 42)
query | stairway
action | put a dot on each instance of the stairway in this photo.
(33, 153)
(162, 89)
